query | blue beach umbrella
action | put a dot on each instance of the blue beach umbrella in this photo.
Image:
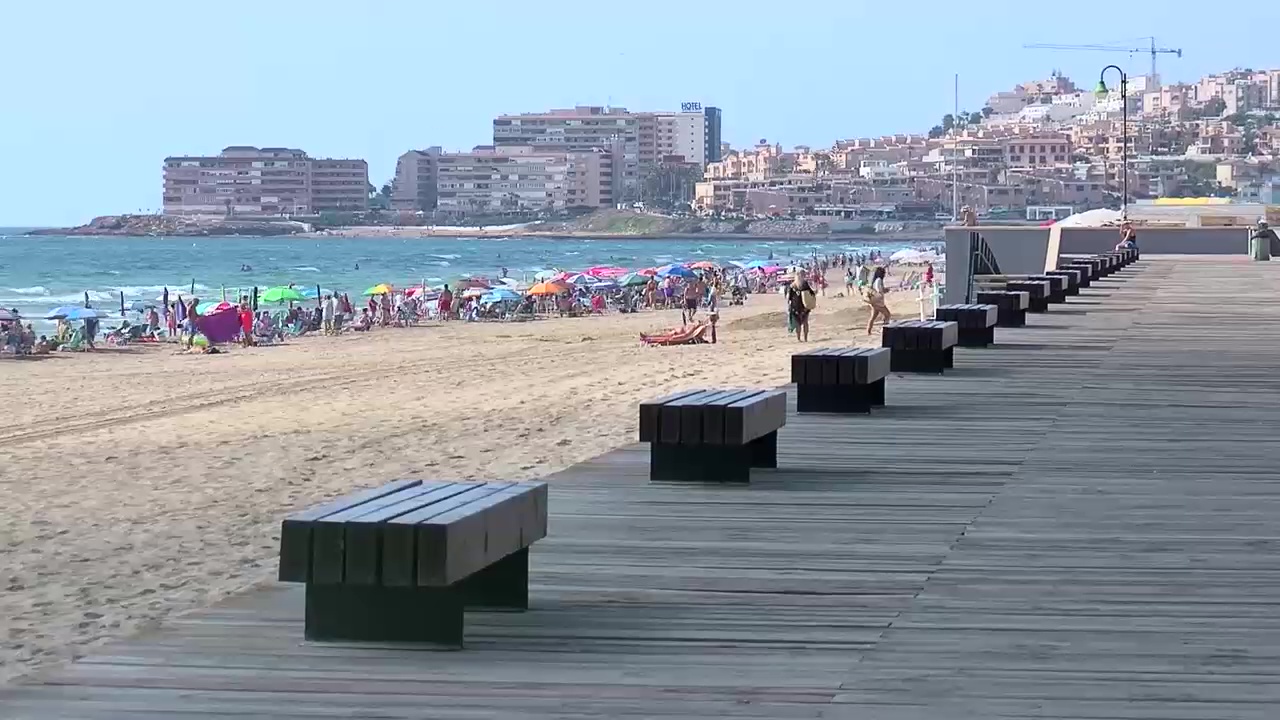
(605, 285)
(757, 264)
(60, 312)
(679, 271)
(499, 294)
(83, 313)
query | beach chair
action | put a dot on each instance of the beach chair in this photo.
(76, 343)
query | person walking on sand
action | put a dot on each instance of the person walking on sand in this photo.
(874, 295)
(801, 300)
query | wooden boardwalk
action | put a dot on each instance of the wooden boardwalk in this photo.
(1083, 522)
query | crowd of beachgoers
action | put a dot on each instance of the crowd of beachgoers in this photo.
(698, 289)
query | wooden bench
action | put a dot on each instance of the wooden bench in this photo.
(840, 380)
(976, 324)
(399, 563)
(712, 435)
(1037, 293)
(1092, 266)
(1011, 306)
(1057, 286)
(920, 345)
(1074, 277)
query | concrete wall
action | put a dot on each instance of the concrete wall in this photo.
(1158, 241)
(1018, 250)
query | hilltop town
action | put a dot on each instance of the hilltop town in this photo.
(1041, 150)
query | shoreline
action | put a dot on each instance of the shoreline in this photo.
(382, 233)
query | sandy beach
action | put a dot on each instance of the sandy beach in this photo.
(141, 482)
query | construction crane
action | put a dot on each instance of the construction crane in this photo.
(1115, 48)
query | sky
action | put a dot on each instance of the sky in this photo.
(93, 95)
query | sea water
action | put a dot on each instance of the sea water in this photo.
(39, 273)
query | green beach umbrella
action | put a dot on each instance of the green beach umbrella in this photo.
(379, 289)
(282, 294)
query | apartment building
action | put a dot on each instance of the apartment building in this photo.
(339, 185)
(492, 180)
(578, 129)
(251, 181)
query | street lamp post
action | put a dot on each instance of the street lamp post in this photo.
(1101, 92)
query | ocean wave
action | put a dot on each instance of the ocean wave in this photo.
(447, 257)
(33, 290)
(306, 268)
(442, 263)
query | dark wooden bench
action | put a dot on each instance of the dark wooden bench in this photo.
(1037, 293)
(1011, 306)
(920, 345)
(976, 324)
(399, 563)
(1074, 277)
(1092, 266)
(712, 435)
(839, 380)
(1057, 286)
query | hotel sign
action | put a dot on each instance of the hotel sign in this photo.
(691, 107)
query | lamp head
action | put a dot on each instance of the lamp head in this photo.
(1101, 90)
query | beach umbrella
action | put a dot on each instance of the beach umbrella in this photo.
(140, 305)
(604, 271)
(605, 285)
(498, 295)
(675, 270)
(702, 265)
(633, 280)
(474, 292)
(545, 274)
(736, 264)
(548, 288)
(8, 315)
(580, 279)
(60, 312)
(83, 313)
(757, 264)
(214, 307)
(281, 294)
(379, 289)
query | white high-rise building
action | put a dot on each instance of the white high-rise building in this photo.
(684, 134)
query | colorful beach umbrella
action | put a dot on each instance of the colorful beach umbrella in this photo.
(648, 271)
(702, 265)
(605, 271)
(548, 288)
(213, 307)
(281, 294)
(379, 289)
(633, 280)
(580, 279)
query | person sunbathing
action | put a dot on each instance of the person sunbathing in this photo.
(364, 322)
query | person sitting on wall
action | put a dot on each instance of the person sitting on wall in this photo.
(1262, 232)
(1128, 237)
